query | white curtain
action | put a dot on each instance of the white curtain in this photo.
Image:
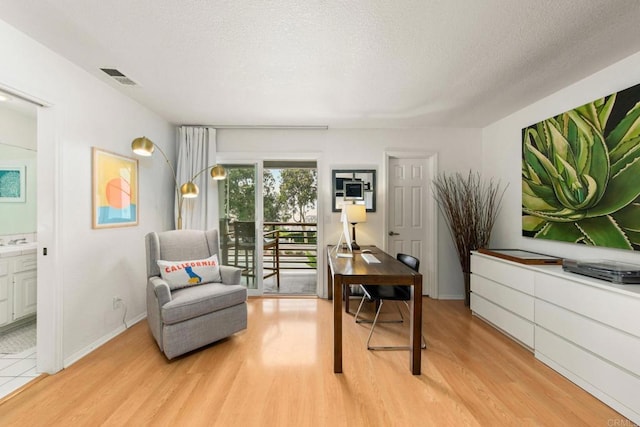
(196, 151)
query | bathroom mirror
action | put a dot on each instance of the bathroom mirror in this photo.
(18, 144)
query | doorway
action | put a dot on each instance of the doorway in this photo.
(270, 231)
(411, 219)
(290, 219)
(18, 241)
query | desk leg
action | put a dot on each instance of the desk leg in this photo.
(329, 282)
(347, 297)
(416, 326)
(337, 324)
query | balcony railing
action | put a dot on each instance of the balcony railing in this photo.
(297, 247)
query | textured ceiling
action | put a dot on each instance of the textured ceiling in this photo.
(358, 63)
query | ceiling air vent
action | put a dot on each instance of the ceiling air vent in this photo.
(119, 77)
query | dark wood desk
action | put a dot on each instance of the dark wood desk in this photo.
(351, 271)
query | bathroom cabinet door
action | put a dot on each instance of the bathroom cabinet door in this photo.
(24, 294)
(5, 314)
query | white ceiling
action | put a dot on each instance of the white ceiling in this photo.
(342, 63)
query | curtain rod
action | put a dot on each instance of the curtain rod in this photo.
(301, 127)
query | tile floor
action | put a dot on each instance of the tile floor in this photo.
(16, 370)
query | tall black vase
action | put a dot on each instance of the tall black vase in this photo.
(467, 288)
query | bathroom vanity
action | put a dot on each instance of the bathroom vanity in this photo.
(18, 283)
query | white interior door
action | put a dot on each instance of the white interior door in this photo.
(411, 222)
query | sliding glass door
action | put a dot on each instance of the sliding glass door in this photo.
(237, 205)
(290, 195)
(268, 226)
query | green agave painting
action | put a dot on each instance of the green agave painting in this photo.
(581, 174)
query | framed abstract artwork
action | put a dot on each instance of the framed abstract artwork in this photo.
(581, 174)
(12, 184)
(115, 190)
(353, 185)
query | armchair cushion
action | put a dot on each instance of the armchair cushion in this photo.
(180, 274)
(195, 301)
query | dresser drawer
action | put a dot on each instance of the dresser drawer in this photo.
(618, 347)
(614, 386)
(504, 296)
(611, 308)
(515, 326)
(502, 272)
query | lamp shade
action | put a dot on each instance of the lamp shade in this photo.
(218, 172)
(356, 213)
(189, 190)
(142, 146)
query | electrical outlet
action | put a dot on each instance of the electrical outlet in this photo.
(117, 302)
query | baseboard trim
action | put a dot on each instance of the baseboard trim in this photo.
(454, 296)
(101, 341)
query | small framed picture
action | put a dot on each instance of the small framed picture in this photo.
(115, 190)
(12, 184)
(353, 190)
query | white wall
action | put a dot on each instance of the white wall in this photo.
(85, 268)
(501, 158)
(458, 150)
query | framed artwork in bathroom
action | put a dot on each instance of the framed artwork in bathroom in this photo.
(115, 190)
(12, 184)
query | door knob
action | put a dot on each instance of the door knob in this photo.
(391, 233)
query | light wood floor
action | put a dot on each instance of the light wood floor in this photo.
(279, 373)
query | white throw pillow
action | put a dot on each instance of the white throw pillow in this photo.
(182, 274)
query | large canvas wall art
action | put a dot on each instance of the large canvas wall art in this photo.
(115, 190)
(581, 174)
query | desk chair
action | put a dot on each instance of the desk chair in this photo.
(381, 293)
(271, 248)
(245, 240)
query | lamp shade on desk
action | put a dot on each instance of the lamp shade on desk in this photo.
(355, 214)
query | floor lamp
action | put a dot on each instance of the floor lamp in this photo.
(143, 146)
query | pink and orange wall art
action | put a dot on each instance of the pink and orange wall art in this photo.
(115, 190)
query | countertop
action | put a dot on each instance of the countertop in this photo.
(20, 249)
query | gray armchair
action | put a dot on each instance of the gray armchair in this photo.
(185, 319)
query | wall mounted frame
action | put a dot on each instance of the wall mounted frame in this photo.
(13, 184)
(115, 190)
(581, 174)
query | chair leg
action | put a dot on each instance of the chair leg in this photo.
(373, 325)
(359, 308)
(423, 343)
(379, 305)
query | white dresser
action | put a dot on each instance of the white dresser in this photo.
(586, 329)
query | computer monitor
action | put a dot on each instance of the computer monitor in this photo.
(345, 237)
